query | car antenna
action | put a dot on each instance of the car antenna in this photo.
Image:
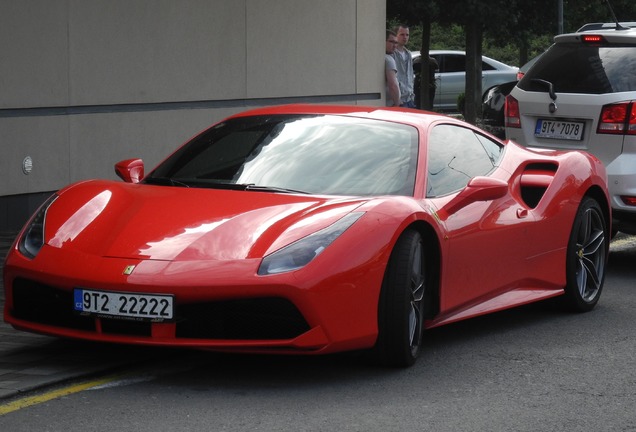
(618, 25)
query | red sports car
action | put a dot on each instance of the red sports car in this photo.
(313, 229)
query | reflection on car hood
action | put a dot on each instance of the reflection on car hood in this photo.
(113, 219)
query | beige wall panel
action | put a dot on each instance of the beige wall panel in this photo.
(151, 136)
(125, 51)
(83, 56)
(370, 46)
(45, 140)
(33, 54)
(292, 45)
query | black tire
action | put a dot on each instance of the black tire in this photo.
(586, 259)
(401, 308)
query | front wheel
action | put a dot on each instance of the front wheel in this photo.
(586, 257)
(401, 308)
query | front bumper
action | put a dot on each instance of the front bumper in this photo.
(220, 306)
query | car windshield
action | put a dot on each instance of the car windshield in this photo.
(585, 69)
(331, 155)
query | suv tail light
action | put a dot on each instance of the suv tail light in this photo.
(618, 118)
(513, 119)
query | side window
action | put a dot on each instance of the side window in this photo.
(454, 63)
(455, 155)
(485, 66)
(493, 149)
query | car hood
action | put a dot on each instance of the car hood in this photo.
(122, 220)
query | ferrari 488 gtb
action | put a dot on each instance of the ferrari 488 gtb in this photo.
(313, 229)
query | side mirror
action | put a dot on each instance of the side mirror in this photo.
(130, 170)
(477, 189)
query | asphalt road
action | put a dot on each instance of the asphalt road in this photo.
(533, 368)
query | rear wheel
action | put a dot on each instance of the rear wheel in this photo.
(586, 257)
(401, 308)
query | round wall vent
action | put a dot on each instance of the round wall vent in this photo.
(27, 165)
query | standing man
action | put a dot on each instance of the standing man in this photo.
(390, 71)
(404, 63)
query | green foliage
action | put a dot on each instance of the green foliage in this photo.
(452, 37)
(578, 12)
(448, 36)
(511, 31)
(510, 26)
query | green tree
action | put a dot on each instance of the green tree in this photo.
(579, 12)
(527, 20)
(473, 15)
(512, 31)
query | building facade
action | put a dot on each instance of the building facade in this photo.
(87, 83)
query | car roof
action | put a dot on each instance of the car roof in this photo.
(416, 118)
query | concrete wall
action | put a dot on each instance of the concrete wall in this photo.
(86, 83)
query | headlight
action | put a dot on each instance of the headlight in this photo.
(33, 238)
(302, 252)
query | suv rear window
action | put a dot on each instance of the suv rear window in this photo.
(587, 69)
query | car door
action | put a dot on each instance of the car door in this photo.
(485, 240)
(450, 79)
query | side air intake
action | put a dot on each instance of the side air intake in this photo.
(535, 180)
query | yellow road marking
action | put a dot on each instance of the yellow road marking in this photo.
(34, 400)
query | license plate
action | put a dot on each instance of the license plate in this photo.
(558, 129)
(153, 307)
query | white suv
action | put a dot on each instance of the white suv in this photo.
(581, 95)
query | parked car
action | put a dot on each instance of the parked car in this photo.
(451, 76)
(307, 229)
(493, 103)
(580, 95)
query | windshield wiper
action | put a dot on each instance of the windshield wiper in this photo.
(224, 184)
(195, 182)
(217, 184)
(164, 181)
(257, 188)
(548, 85)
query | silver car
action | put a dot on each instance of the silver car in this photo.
(450, 78)
(581, 95)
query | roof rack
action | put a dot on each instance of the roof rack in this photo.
(607, 26)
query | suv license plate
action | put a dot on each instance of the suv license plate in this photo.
(152, 307)
(558, 129)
